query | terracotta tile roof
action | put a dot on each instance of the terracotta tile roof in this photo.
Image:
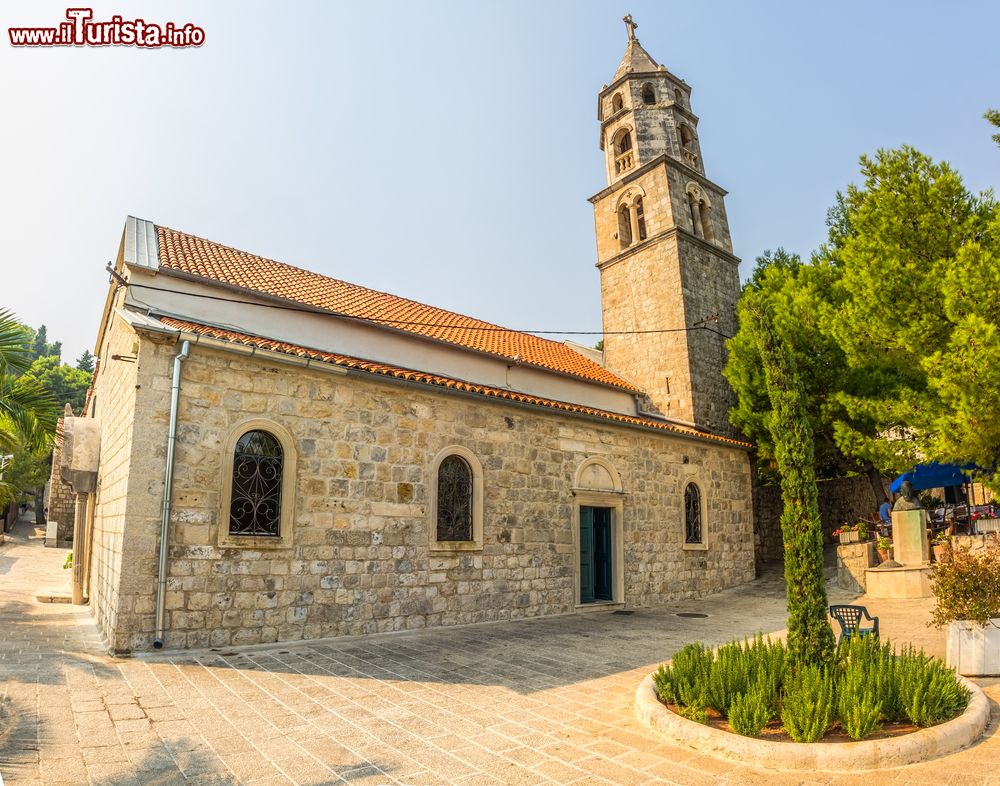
(203, 258)
(435, 380)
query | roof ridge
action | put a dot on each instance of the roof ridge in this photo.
(483, 322)
(228, 266)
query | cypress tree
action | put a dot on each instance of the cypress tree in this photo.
(810, 638)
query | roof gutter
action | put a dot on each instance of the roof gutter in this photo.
(168, 482)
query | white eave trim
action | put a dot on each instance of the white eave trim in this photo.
(151, 325)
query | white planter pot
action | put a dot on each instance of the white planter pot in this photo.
(972, 650)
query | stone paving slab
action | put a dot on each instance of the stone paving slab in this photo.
(533, 702)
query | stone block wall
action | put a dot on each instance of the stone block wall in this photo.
(360, 558)
(61, 501)
(975, 542)
(113, 403)
(711, 287)
(840, 500)
(853, 559)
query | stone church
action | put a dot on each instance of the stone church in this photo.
(283, 455)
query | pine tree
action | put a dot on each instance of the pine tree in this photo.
(40, 346)
(86, 362)
(993, 116)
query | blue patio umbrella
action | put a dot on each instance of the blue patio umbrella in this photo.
(935, 475)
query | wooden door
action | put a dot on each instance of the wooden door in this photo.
(586, 555)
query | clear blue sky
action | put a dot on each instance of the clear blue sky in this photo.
(445, 151)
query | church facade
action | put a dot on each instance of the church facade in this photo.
(321, 459)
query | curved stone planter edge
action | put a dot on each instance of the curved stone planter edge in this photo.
(922, 745)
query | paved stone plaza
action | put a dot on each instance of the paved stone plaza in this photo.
(541, 701)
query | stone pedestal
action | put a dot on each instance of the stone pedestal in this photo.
(908, 582)
(909, 538)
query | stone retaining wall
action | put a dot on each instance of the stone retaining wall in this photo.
(841, 500)
(853, 559)
(61, 501)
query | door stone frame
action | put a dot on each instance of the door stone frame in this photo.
(614, 500)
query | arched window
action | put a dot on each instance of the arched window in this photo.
(455, 515)
(695, 206)
(255, 503)
(624, 226)
(641, 218)
(648, 94)
(706, 223)
(700, 207)
(454, 499)
(624, 143)
(687, 139)
(692, 515)
(621, 144)
(616, 102)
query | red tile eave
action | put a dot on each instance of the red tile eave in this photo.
(421, 377)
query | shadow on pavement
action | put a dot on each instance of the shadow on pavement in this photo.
(524, 656)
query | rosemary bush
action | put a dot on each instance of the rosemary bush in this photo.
(858, 705)
(750, 712)
(928, 690)
(754, 681)
(809, 706)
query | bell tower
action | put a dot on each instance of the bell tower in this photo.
(669, 280)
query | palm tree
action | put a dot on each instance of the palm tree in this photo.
(29, 410)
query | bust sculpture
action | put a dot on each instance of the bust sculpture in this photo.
(907, 499)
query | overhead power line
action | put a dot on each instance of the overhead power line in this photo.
(414, 323)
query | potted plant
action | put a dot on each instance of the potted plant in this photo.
(882, 545)
(848, 533)
(940, 544)
(966, 586)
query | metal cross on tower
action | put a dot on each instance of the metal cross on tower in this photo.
(630, 26)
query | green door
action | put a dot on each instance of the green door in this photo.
(586, 555)
(602, 553)
(595, 554)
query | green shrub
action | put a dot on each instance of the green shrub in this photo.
(663, 680)
(808, 708)
(753, 681)
(728, 677)
(858, 704)
(966, 585)
(684, 681)
(885, 684)
(865, 680)
(749, 712)
(768, 669)
(695, 712)
(929, 692)
(698, 678)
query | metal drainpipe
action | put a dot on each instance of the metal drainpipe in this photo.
(168, 480)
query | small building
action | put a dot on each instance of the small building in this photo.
(326, 459)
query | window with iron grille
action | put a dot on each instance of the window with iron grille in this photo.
(454, 500)
(692, 514)
(255, 509)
